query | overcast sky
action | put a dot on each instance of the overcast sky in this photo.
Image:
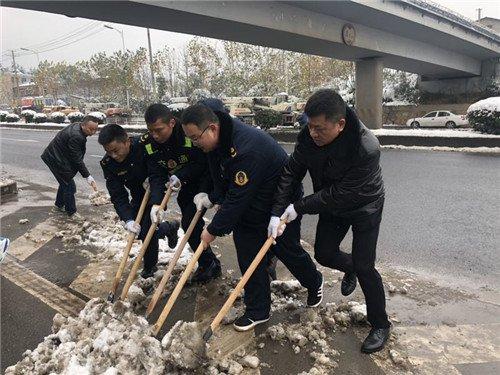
(29, 29)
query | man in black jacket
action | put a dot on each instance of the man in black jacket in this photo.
(64, 157)
(124, 168)
(172, 160)
(245, 165)
(342, 157)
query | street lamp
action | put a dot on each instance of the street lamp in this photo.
(123, 46)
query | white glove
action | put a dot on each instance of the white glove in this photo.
(290, 214)
(274, 229)
(174, 183)
(156, 213)
(90, 180)
(145, 184)
(133, 227)
(201, 201)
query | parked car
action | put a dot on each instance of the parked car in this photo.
(438, 119)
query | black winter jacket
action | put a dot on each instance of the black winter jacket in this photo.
(129, 174)
(178, 156)
(346, 174)
(64, 154)
(245, 169)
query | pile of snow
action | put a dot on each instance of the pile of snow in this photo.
(491, 105)
(99, 198)
(110, 339)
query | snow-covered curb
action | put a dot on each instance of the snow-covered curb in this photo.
(53, 125)
(442, 133)
(474, 150)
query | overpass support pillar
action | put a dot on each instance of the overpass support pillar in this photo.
(369, 91)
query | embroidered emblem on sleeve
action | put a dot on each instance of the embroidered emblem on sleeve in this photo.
(241, 178)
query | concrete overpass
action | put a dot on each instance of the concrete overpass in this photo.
(445, 49)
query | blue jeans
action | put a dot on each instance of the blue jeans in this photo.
(66, 196)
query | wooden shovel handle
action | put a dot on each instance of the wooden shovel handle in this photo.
(178, 288)
(130, 242)
(173, 262)
(239, 287)
(145, 244)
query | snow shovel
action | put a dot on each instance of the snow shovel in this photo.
(173, 262)
(126, 252)
(239, 287)
(180, 284)
(145, 245)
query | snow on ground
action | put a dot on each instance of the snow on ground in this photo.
(474, 150)
(446, 133)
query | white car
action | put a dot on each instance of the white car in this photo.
(438, 119)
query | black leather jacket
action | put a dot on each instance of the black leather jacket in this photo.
(64, 154)
(346, 174)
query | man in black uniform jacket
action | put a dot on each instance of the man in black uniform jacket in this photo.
(245, 164)
(342, 157)
(124, 167)
(172, 160)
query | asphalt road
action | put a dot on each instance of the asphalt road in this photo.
(440, 217)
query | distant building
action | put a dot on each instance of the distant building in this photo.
(491, 23)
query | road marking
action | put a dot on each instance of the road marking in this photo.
(97, 156)
(22, 247)
(53, 296)
(19, 140)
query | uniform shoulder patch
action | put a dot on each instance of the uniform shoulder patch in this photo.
(232, 152)
(240, 178)
(145, 137)
(105, 160)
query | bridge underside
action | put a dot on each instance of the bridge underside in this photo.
(381, 38)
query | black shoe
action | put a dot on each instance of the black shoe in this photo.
(376, 340)
(348, 283)
(315, 296)
(148, 272)
(245, 323)
(172, 236)
(205, 274)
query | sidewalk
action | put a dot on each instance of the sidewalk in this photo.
(437, 328)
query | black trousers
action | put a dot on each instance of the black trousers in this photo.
(330, 232)
(188, 210)
(248, 241)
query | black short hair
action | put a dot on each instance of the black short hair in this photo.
(89, 118)
(200, 115)
(326, 102)
(158, 111)
(110, 133)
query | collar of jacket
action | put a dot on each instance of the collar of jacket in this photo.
(177, 138)
(80, 129)
(225, 134)
(346, 143)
